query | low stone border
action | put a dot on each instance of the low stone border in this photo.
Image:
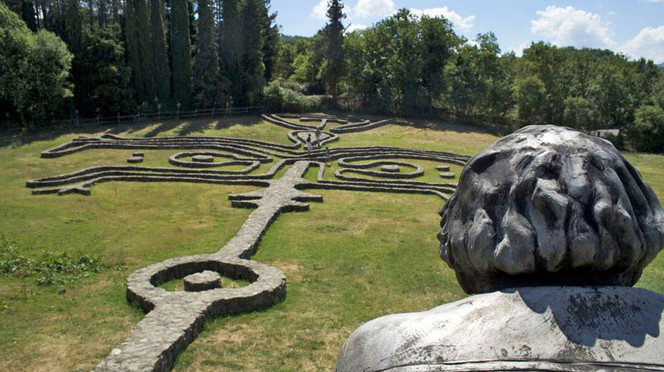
(108, 141)
(178, 317)
(251, 164)
(300, 136)
(175, 318)
(418, 171)
(447, 175)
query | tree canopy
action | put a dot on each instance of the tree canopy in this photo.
(121, 57)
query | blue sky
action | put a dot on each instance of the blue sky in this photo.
(633, 27)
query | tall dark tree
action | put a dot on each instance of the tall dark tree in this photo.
(138, 49)
(181, 52)
(334, 53)
(192, 22)
(270, 40)
(162, 72)
(102, 12)
(131, 41)
(206, 63)
(115, 10)
(74, 26)
(105, 76)
(253, 70)
(28, 14)
(74, 38)
(231, 46)
(147, 89)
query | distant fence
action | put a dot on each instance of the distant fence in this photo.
(76, 121)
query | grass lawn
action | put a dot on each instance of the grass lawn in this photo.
(349, 259)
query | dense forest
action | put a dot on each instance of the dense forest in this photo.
(104, 57)
(118, 56)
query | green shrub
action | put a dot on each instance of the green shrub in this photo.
(617, 141)
(646, 134)
(49, 268)
(279, 99)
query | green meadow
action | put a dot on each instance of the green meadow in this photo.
(354, 257)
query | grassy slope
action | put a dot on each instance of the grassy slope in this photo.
(349, 259)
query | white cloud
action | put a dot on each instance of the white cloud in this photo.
(463, 24)
(356, 27)
(571, 27)
(578, 28)
(320, 10)
(374, 8)
(648, 43)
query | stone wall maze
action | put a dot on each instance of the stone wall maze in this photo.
(175, 318)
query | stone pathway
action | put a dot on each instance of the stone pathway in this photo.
(175, 318)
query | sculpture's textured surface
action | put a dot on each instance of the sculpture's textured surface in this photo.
(546, 205)
(568, 329)
(549, 205)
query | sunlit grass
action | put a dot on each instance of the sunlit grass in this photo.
(349, 259)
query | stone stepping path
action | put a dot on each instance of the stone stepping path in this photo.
(175, 318)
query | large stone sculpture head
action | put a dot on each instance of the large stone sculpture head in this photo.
(549, 205)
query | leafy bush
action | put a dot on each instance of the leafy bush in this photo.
(647, 132)
(280, 99)
(49, 268)
(617, 141)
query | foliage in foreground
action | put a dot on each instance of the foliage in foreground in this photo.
(34, 68)
(48, 269)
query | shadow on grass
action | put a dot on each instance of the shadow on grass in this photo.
(429, 123)
(164, 126)
(180, 127)
(228, 121)
(188, 126)
(440, 125)
(200, 125)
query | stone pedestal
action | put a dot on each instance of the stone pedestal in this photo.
(523, 329)
(202, 158)
(202, 281)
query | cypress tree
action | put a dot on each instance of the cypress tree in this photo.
(180, 51)
(28, 15)
(334, 48)
(231, 47)
(270, 40)
(192, 22)
(131, 41)
(74, 26)
(147, 87)
(132, 36)
(253, 70)
(206, 63)
(74, 38)
(102, 12)
(162, 72)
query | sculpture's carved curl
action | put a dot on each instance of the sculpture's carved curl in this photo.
(549, 205)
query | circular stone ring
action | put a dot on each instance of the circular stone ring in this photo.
(207, 160)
